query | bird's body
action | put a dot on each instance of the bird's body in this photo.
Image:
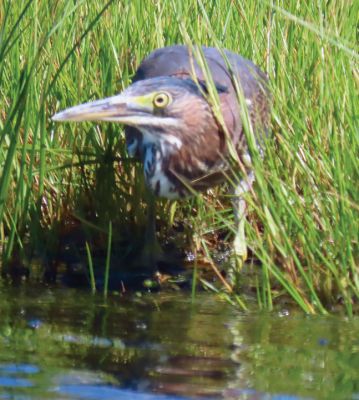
(193, 155)
(171, 127)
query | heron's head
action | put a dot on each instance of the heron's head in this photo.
(161, 104)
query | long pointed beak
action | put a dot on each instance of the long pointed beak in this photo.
(120, 108)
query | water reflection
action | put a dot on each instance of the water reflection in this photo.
(62, 343)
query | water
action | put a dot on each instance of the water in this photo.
(67, 344)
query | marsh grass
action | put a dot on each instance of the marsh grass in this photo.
(303, 210)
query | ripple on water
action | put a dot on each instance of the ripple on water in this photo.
(69, 344)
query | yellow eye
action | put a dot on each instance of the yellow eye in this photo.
(161, 100)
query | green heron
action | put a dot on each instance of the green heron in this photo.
(170, 124)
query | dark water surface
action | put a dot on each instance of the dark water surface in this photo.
(68, 344)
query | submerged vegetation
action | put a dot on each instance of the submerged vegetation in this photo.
(67, 186)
